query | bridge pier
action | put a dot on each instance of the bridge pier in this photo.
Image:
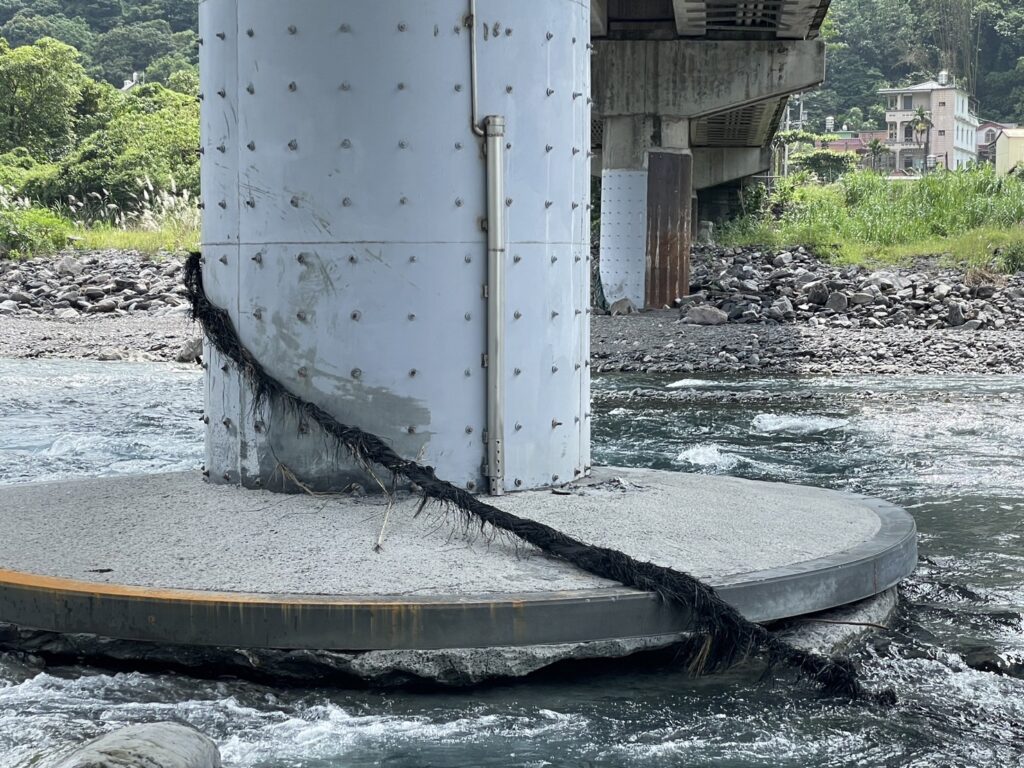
(680, 116)
(379, 255)
(646, 222)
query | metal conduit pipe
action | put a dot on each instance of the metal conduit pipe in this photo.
(493, 129)
(475, 115)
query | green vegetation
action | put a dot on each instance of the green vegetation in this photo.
(968, 217)
(115, 38)
(879, 43)
(26, 229)
(79, 155)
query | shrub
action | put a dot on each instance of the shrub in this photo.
(28, 230)
(1011, 256)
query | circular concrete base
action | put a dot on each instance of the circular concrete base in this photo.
(171, 559)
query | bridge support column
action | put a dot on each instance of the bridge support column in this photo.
(646, 215)
(377, 258)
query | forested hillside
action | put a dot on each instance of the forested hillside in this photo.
(876, 43)
(77, 151)
(115, 37)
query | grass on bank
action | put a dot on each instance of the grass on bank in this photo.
(151, 242)
(159, 222)
(964, 218)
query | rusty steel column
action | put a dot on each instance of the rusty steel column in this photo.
(669, 229)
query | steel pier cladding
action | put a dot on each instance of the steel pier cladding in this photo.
(345, 190)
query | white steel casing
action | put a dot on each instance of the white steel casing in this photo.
(344, 231)
(624, 235)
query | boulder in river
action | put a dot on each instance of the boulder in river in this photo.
(160, 745)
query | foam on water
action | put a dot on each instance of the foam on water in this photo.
(709, 456)
(798, 425)
(66, 419)
(687, 383)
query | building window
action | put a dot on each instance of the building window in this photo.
(892, 131)
(942, 103)
(908, 101)
(908, 132)
(894, 102)
(942, 133)
(990, 136)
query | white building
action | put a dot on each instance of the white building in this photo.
(950, 142)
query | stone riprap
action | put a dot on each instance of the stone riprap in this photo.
(749, 285)
(74, 284)
(869, 322)
(756, 310)
(105, 305)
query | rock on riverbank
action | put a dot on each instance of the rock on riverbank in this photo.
(98, 283)
(108, 305)
(658, 342)
(788, 312)
(750, 285)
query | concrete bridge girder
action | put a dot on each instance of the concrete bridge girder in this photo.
(713, 166)
(700, 77)
(789, 19)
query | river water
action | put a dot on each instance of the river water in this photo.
(949, 449)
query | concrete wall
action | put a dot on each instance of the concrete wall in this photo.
(1009, 151)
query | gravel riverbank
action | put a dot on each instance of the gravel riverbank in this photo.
(121, 306)
(658, 342)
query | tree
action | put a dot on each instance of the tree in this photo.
(185, 81)
(876, 151)
(922, 125)
(10, 8)
(27, 26)
(161, 70)
(152, 135)
(879, 43)
(102, 15)
(957, 29)
(180, 14)
(826, 164)
(130, 48)
(40, 89)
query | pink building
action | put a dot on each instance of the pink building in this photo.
(988, 131)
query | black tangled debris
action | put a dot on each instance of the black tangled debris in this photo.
(724, 636)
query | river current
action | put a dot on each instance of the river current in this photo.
(949, 449)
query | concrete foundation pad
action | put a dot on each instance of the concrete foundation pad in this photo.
(171, 559)
(829, 632)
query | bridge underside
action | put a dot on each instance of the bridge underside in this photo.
(702, 84)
